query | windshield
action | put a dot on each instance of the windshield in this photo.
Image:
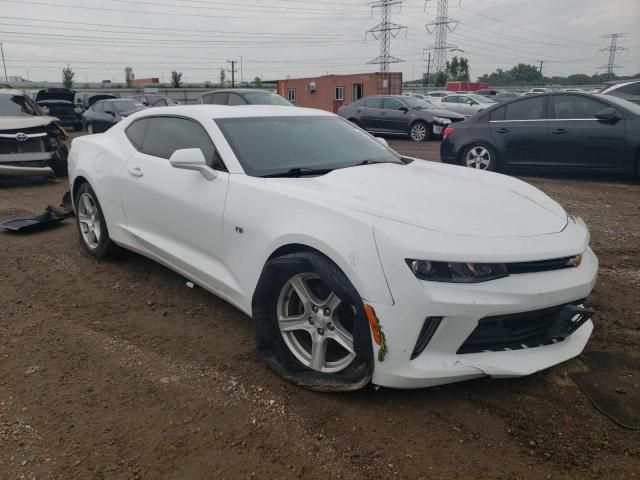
(275, 145)
(16, 106)
(418, 103)
(123, 106)
(266, 98)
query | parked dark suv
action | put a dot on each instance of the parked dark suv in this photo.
(58, 102)
(399, 115)
(550, 131)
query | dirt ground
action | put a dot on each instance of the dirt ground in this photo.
(117, 370)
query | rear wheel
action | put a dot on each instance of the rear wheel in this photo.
(310, 324)
(419, 131)
(480, 157)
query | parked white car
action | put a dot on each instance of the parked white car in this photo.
(467, 105)
(356, 264)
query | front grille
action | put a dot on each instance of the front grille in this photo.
(541, 265)
(32, 145)
(28, 131)
(525, 330)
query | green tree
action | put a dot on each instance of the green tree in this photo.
(67, 77)
(223, 77)
(257, 82)
(440, 79)
(128, 76)
(458, 69)
(176, 79)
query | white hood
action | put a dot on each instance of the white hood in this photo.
(12, 123)
(445, 198)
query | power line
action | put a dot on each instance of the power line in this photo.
(384, 31)
(612, 49)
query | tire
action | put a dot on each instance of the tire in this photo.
(92, 228)
(329, 314)
(480, 157)
(419, 131)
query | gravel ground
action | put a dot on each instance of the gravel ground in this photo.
(116, 370)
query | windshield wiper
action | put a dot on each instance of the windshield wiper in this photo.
(299, 172)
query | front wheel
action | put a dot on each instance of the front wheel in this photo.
(480, 157)
(419, 131)
(92, 227)
(310, 324)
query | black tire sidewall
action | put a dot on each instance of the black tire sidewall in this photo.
(105, 245)
(493, 163)
(270, 345)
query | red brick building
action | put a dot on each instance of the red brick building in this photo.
(330, 92)
(146, 81)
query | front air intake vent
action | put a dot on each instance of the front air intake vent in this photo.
(429, 328)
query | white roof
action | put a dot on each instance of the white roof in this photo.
(240, 111)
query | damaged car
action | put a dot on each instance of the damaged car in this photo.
(31, 142)
(59, 103)
(356, 264)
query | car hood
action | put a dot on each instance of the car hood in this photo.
(445, 198)
(441, 112)
(12, 123)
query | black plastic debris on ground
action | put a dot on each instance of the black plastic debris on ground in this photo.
(47, 219)
(613, 385)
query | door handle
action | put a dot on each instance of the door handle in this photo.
(503, 130)
(136, 172)
(559, 131)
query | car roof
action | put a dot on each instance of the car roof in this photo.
(240, 111)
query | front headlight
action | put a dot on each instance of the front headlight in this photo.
(456, 272)
(442, 120)
(77, 110)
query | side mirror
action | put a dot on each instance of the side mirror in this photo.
(109, 112)
(192, 159)
(470, 102)
(381, 141)
(403, 109)
(608, 114)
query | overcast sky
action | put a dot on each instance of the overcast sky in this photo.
(280, 38)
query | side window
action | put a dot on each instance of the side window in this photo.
(497, 114)
(339, 93)
(97, 107)
(235, 99)
(165, 135)
(291, 95)
(108, 107)
(207, 99)
(374, 102)
(219, 98)
(392, 104)
(449, 99)
(529, 109)
(136, 131)
(575, 106)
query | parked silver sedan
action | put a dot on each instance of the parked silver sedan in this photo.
(467, 105)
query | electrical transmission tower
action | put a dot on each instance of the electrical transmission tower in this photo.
(385, 31)
(613, 48)
(440, 27)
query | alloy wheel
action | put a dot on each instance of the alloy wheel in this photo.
(89, 219)
(418, 132)
(478, 157)
(315, 324)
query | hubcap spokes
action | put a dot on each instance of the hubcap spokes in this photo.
(311, 326)
(89, 220)
(478, 157)
(418, 132)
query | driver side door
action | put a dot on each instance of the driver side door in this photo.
(176, 215)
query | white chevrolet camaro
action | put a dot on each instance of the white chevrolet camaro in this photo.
(356, 264)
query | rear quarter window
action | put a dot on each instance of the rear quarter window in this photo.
(136, 132)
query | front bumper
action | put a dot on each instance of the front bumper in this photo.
(461, 307)
(32, 164)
